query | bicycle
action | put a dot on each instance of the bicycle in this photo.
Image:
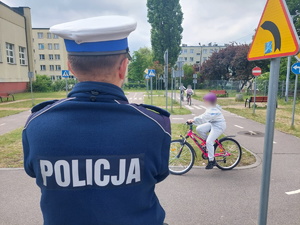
(228, 153)
(189, 99)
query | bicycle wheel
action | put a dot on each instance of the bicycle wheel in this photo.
(230, 154)
(181, 157)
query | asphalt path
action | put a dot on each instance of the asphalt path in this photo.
(198, 198)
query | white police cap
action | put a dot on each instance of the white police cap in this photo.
(104, 35)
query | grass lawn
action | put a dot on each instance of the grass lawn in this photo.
(160, 101)
(4, 113)
(11, 155)
(52, 95)
(22, 104)
(181, 129)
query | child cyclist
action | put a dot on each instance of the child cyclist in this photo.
(211, 121)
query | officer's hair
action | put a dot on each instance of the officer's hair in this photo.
(91, 64)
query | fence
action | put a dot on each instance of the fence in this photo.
(261, 87)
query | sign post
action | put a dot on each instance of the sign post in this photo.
(30, 76)
(180, 74)
(296, 71)
(275, 37)
(195, 81)
(287, 81)
(151, 74)
(66, 74)
(256, 71)
(166, 57)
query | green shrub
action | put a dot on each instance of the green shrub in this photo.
(42, 83)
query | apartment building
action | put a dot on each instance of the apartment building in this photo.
(50, 55)
(15, 48)
(197, 54)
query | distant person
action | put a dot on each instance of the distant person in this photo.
(189, 91)
(182, 90)
(213, 122)
(95, 157)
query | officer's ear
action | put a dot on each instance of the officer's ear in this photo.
(123, 69)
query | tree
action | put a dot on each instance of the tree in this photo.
(141, 60)
(188, 74)
(42, 83)
(293, 6)
(231, 63)
(165, 17)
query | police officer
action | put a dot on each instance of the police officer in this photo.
(95, 157)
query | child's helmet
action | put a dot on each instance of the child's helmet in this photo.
(210, 97)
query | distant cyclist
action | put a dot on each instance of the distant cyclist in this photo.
(182, 89)
(189, 93)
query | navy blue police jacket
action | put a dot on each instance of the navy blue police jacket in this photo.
(97, 158)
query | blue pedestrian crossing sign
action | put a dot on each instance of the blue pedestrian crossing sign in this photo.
(147, 76)
(65, 73)
(151, 73)
(296, 68)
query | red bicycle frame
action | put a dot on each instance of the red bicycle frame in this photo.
(194, 137)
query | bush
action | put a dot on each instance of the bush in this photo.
(42, 83)
(60, 85)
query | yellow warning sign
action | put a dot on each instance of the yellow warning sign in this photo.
(298, 57)
(276, 35)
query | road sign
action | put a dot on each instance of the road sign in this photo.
(151, 73)
(147, 76)
(195, 76)
(276, 35)
(194, 81)
(298, 57)
(65, 73)
(30, 75)
(256, 71)
(296, 68)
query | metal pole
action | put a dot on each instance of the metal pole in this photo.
(172, 89)
(288, 71)
(254, 105)
(151, 86)
(295, 99)
(31, 90)
(180, 90)
(67, 86)
(166, 76)
(268, 141)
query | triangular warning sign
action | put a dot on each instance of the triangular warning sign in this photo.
(275, 35)
(151, 73)
(65, 73)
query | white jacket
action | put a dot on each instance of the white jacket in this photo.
(211, 115)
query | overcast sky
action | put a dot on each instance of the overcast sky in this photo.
(220, 21)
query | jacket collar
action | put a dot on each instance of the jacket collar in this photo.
(97, 91)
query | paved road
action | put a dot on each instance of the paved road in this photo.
(199, 197)
(13, 122)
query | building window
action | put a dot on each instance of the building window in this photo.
(57, 57)
(191, 50)
(204, 51)
(211, 51)
(50, 56)
(56, 46)
(57, 67)
(198, 53)
(184, 51)
(41, 46)
(204, 59)
(50, 46)
(185, 58)
(40, 35)
(180, 59)
(51, 67)
(58, 77)
(22, 56)
(43, 67)
(49, 35)
(10, 53)
(198, 62)
(191, 59)
(42, 57)
(55, 36)
(52, 77)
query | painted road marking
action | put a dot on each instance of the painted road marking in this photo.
(189, 107)
(130, 98)
(197, 107)
(140, 98)
(274, 142)
(203, 107)
(293, 192)
(177, 118)
(252, 132)
(2, 124)
(135, 94)
(135, 98)
(239, 126)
